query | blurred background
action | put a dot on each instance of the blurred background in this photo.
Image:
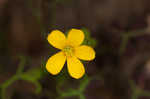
(119, 31)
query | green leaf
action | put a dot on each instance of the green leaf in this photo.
(32, 75)
(88, 39)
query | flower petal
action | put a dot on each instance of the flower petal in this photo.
(85, 52)
(75, 37)
(56, 63)
(75, 67)
(57, 39)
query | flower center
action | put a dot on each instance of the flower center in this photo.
(68, 50)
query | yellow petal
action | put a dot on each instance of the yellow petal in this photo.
(57, 39)
(55, 63)
(75, 37)
(85, 52)
(75, 67)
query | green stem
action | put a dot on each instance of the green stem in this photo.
(6, 84)
(124, 43)
(14, 78)
(21, 65)
(82, 96)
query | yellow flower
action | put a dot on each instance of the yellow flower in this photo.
(71, 50)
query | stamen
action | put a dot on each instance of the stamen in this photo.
(68, 50)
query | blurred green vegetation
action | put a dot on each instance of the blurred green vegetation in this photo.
(35, 74)
(31, 76)
(137, 92)
(127, 36)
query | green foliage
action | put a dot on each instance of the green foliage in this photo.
(125, 37)
(35, 74)
(88, 39)
(31, 76)
(137, 92)
(75, 92)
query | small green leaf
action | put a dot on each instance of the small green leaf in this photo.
(33, 74)
(88, 39)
